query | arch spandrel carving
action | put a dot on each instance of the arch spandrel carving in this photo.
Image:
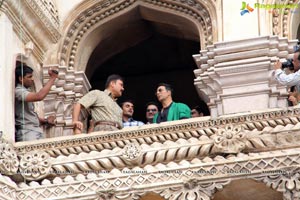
(285, 180)
(91, 15)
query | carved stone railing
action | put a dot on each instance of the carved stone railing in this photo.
(240, 73)
(205, 127)
(194, 179)
(192, 158)
(145, 145)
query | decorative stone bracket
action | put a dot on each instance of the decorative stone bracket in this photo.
(193, 190)
(285, 180)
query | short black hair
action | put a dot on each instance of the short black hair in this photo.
(127, 100)
(21, 70)
(167, 86)
(151, 103)
(198, 108)
(113, 77)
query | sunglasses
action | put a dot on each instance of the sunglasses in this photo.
(151, 110)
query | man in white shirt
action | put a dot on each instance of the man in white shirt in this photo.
(289, 79)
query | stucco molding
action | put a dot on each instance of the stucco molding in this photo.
(136, 155)
(281, 18)
(35, 165)
(41, 30)
(194, 190)
(161, 176)
(267, 121)
(91, 16)
(9, 162)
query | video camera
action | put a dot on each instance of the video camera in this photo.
(289, 62)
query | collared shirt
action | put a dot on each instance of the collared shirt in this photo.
(287, 79)
(132, 122)
(103, 106)
(25, 116)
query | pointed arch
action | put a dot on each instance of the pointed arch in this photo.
(91, 19)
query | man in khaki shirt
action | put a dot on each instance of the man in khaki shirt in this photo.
(106, 113)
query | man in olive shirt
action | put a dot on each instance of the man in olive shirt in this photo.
(106, 113)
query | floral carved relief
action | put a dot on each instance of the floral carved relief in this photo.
(35, 165)
(193, 190)
(9, 162)
(230, 139)
(131, 152)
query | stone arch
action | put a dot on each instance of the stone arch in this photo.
(283, 21)
(88, 16)
(151, 196)
(247, 189)
(294, 25)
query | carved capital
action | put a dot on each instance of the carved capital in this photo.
(230, 139)
(193, 190)
(35, 165)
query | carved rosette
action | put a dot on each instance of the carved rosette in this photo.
(132, 152)
(286, 181)
(35, 165)
(193, 190)
(230, 139)
(9, 161)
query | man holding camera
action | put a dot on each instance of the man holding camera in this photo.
(289, 79)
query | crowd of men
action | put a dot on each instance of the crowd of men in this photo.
(106, 114)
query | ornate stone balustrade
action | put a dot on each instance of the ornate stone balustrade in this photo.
(199, 177)
(263, 122)
(187, 158)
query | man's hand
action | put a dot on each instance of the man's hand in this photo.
(277, 65)
(53, 73)
(293, 100)
(51, 120)
(78, 126)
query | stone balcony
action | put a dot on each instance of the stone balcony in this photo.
(234, 154)
(186, 159)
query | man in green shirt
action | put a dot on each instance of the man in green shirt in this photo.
(170, 110)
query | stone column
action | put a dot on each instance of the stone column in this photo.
(238, 76)
(67, 89)
(6, 78)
